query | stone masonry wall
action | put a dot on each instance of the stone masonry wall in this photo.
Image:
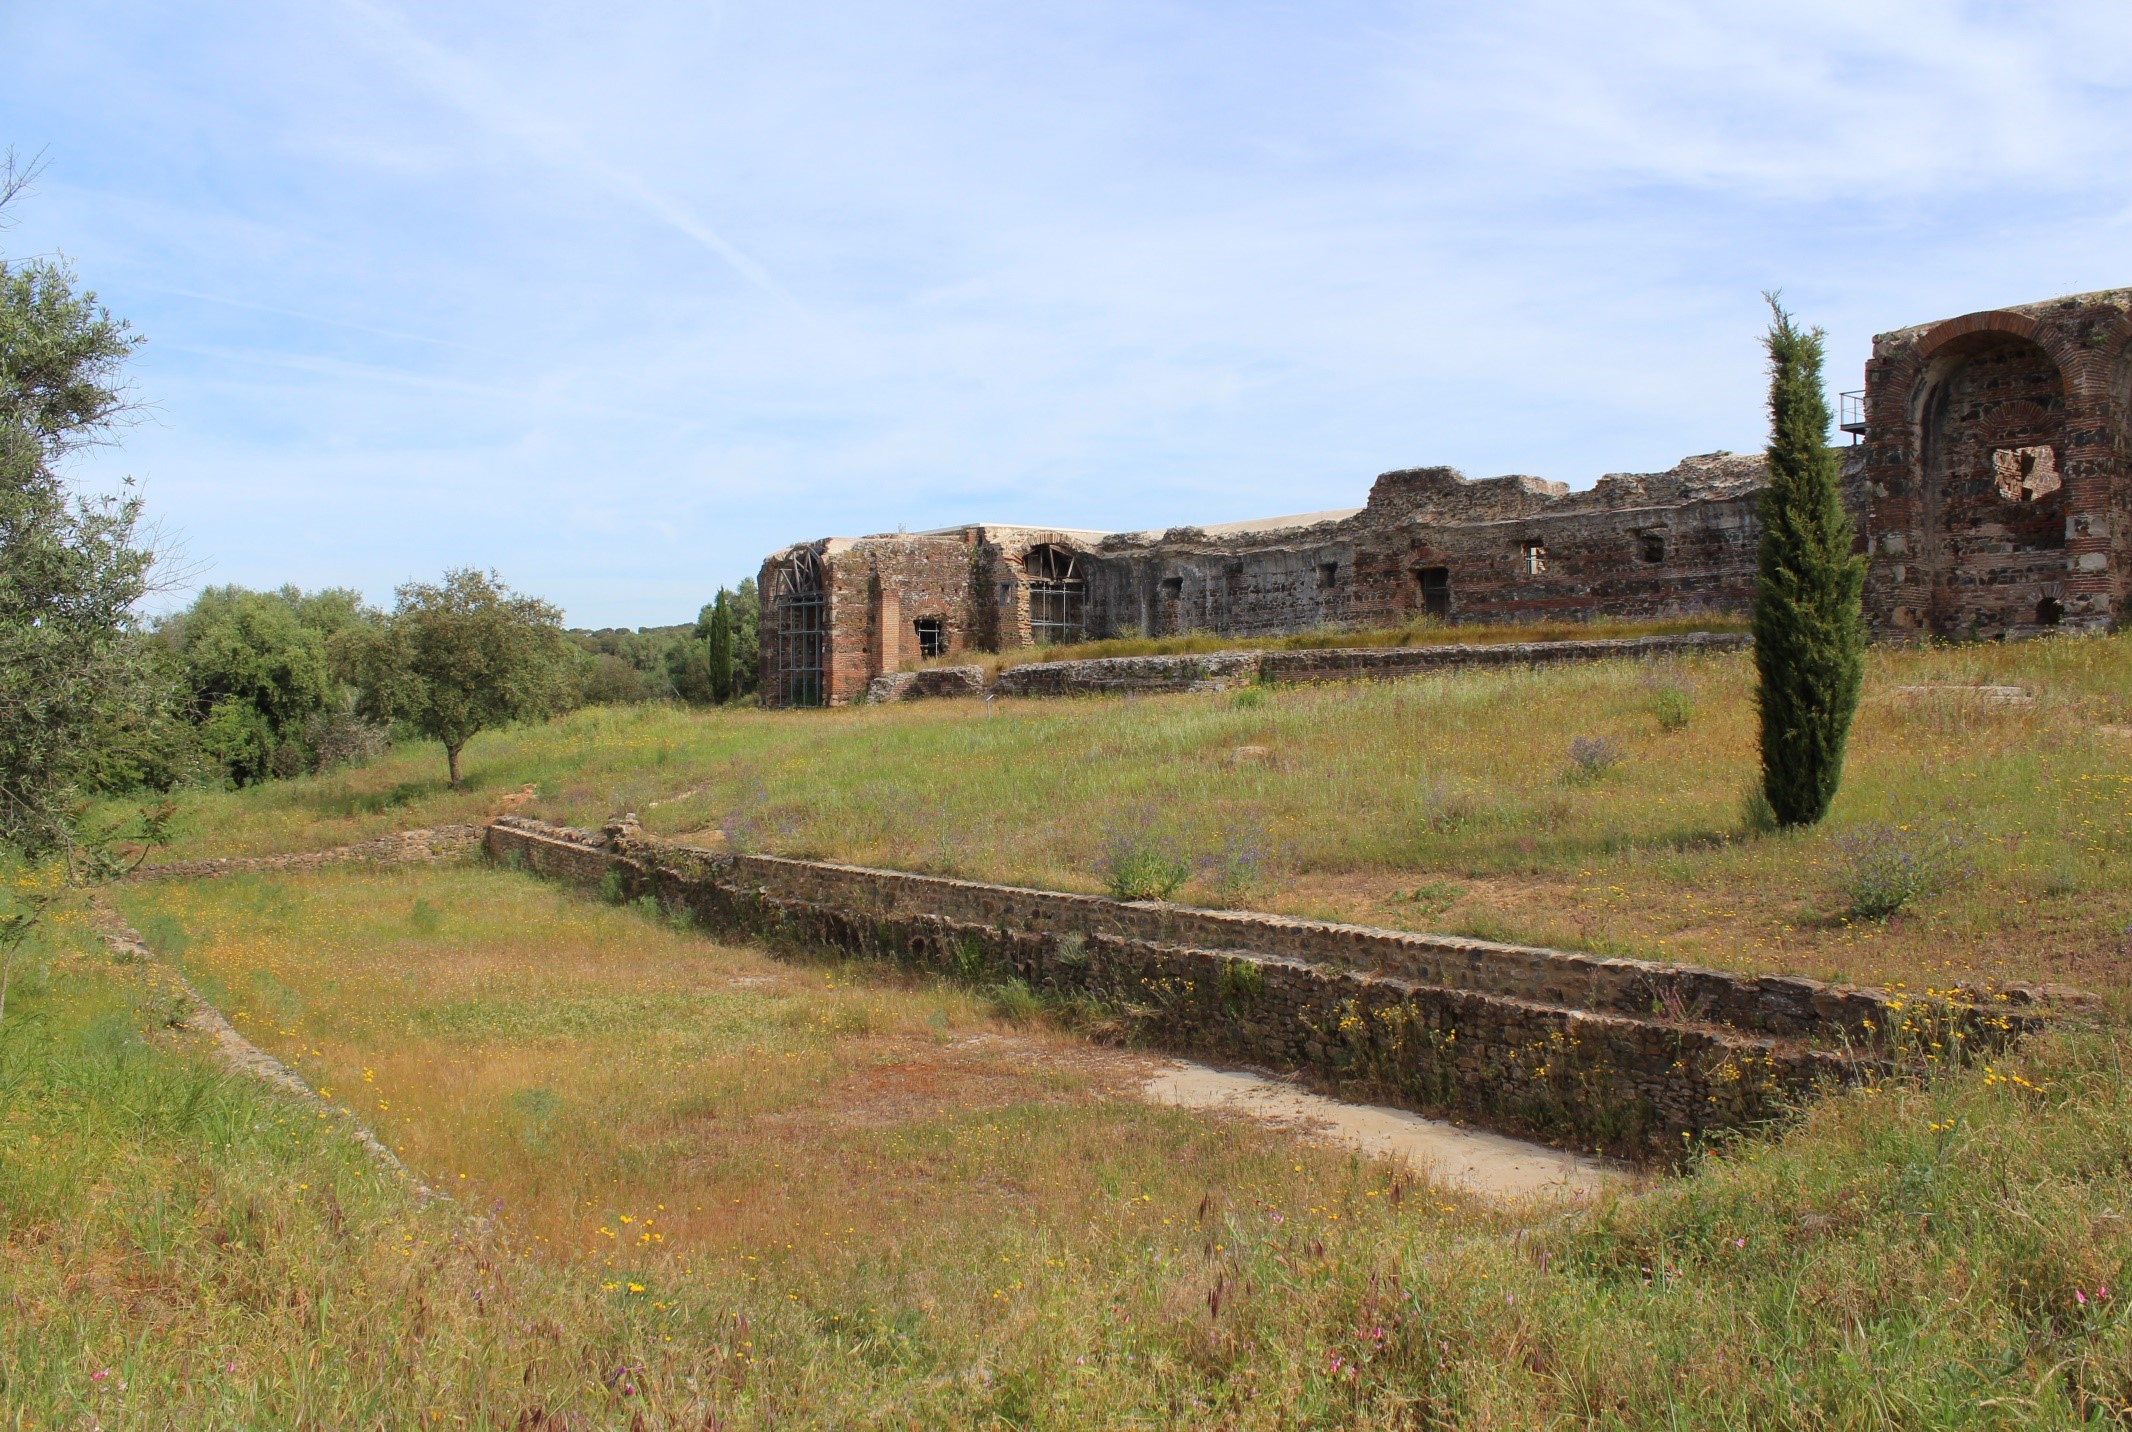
(1998, 457)
(1427, 1023)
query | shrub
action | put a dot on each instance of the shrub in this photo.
(1139, 864)
(1757, 815)
(1885, 868)
(1674, 707)
(1591, 757)
(1239, 863)
(1437, 896)
(1242, 983)
(1015, 1002)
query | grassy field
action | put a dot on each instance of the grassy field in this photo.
(695, 1188)
(1453, 803)
(1419, 632)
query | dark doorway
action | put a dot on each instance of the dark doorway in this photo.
(1435, 590)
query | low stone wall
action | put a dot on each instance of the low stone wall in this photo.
(932, 681)
(1231, 986)
(406, 847)
(1121, 675)
(1389, 663)
(1225, 670)
(1765, 1004)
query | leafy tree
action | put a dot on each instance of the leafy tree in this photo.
(688, 666)
(747, 641)
(74, 685)
(457, 658)
(717, 623)
(1809, 632)
(604, 679)
(256, 674)
(72, 569)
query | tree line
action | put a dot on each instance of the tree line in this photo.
(267, 684)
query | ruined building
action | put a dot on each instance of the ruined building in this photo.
(1990, 478)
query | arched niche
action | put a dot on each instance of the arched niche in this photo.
(1991, 411)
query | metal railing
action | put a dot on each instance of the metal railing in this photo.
(1851, 413)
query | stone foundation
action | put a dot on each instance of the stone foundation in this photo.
(1625, 1056)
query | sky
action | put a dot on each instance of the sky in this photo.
(616, 299)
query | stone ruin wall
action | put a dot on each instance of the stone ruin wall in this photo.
(1425, 1023)
(1992, 494)
(1510, 549)
(1636, 546)
(2000, 480)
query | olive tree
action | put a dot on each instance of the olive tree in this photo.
(72, 568)
(458, 657)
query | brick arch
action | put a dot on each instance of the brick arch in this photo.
(1990, 320)
(2086, 367)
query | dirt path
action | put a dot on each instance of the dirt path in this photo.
(1457, 1157)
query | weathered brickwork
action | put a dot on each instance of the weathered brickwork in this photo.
(1993, 492)
(1621, 1054)
(1997, 469)
(1429, 541)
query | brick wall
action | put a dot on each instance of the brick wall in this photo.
(1997, 459)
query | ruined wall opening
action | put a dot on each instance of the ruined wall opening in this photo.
(1534, 555)
(1058, 595)
(1328, 576)
(932, 636)
(1994, 499)
(1435, 583)
(799, 621)
(1651, 546)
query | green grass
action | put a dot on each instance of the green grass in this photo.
(179, 1249)
(1422, 631)
(1366, 792)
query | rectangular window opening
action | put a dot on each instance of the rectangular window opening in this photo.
(1328, 575)
(1535, 558)
(932, 636)
(1652, 546)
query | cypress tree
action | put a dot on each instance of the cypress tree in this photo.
(718, 636)
(1809, 631)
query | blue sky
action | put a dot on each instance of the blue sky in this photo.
(616, 298)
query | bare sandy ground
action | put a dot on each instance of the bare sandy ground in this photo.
(1454, 1157)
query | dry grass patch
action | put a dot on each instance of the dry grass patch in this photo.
(180, 1248)
(1464, 779)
